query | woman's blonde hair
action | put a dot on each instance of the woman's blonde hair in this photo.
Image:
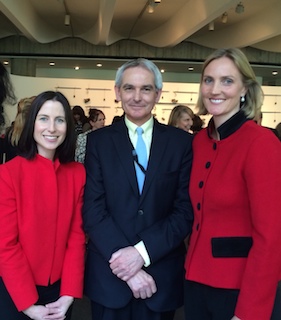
(177, 112)
(23, 110)
(254, 95)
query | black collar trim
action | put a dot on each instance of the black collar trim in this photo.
(230, 126)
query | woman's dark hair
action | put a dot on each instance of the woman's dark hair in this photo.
(6, 91)
(28, 146)
(197, 123)
(80, 111)
(94, 114)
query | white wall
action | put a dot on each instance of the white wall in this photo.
(75, 90)
(101, 95)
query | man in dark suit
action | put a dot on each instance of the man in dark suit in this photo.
(134, 267)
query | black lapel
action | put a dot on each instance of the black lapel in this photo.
(124, 150)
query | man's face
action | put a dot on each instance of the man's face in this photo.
(137, 94)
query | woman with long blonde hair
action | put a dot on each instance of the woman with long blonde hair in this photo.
(14, 132)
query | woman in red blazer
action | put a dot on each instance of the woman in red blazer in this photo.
(42, 243)
(233, 263)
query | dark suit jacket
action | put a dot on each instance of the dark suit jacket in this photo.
(116, 216)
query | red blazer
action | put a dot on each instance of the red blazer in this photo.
(235, 191)
(41, 236)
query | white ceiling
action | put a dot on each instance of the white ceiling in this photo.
(105, 22)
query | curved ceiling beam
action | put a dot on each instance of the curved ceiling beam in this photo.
(246, 33)
(273, 44)
(23, 16)
(100, 33)
(190, 18)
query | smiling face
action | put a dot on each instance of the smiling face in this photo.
(50, 128)
(137, 94)
(185, 122)
(221, 89)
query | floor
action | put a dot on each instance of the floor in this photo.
(82, 311)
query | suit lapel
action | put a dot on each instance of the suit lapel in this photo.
(124, 149)
(158, 146)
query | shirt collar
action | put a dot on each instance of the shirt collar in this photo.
(147, 126)
(229, 126)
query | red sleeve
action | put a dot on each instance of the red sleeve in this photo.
(263, 178)
(14, 267)
(73, 265)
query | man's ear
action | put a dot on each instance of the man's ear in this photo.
(158, 96)
(117, 93)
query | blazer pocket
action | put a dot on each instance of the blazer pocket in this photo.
(231, 247)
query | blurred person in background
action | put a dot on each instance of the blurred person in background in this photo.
(181, 117)
(80, 119)
(258, 120)
(197, 124)
(278, 129)
(13, 133)
(7, 95)
(96, 120)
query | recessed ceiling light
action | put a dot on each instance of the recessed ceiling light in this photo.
(76, 68)
(6, 62)
(274, 73)
(162, 70)
(51, 63)
(99, 65)
(190, 68)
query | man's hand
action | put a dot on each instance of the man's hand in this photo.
(58, 309)
(142, 285)
(126, 262)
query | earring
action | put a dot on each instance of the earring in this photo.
(242, 99)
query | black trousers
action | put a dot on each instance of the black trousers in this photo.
(135, 310)
(8, 310)
(208, 303)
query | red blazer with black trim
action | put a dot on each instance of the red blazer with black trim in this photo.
(235, 191)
